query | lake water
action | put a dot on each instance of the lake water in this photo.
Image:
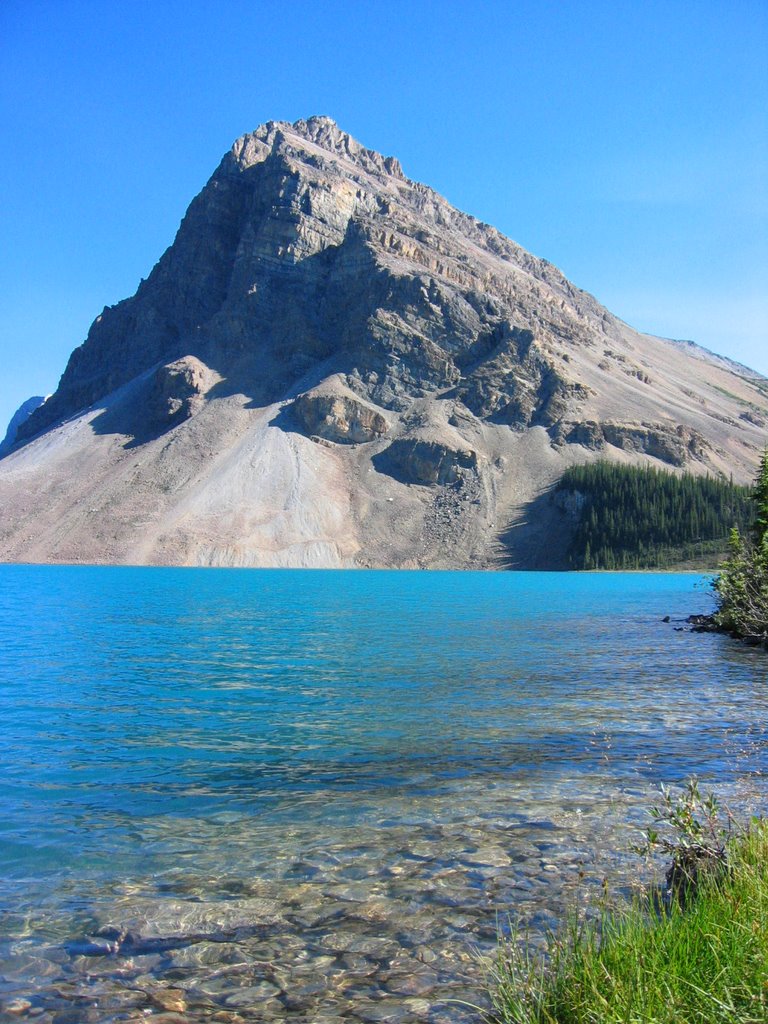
(313, 796)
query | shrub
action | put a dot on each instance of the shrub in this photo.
(694, 833)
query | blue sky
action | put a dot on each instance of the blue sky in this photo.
(625, 142)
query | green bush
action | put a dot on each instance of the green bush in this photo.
(694, 832)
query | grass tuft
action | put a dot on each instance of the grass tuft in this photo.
(705, 963)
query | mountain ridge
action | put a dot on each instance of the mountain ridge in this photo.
(345, 328)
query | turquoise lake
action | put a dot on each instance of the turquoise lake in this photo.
(313, 796)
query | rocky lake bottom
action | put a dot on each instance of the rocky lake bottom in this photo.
(319, 797)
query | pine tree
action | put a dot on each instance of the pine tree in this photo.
(760, 495)
(741, 587)
(643, 517)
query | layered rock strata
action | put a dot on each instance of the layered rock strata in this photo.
(333, 366)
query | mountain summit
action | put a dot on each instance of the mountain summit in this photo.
(333, 366)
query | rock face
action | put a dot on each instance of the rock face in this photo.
(427, 462)
(337, 416)
(333, 366)
(676, 446)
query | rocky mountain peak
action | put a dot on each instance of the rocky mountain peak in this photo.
(324, 330)
(304, 137)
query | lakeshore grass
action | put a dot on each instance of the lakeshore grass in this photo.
(704, 964)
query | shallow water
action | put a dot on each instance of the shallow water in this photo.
(312, 796)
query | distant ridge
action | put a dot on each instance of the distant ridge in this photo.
(23, 413)
(693, 348)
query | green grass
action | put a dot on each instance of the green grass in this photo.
(707, 964)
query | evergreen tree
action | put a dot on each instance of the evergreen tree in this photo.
(644, 518)
(741, 588)
(760, 495)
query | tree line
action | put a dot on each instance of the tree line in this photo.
(647, 518)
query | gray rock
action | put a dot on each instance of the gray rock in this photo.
(339, 416)
(143, 925)
(247, 997)
(426, 462)
(177, 390)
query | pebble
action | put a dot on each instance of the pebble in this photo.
(384, 1012)
(171, 999)
(316, 964)
(488, 855)
(304, 996)
(419, 983)
(166, 1018)
(76, 1015)
(354, 893)
(359, 965)
(245, 997)
(379, 932)
(316, 918)
(418, 1007)
(422, 851)
(371, 946)
(207, 953)
(18, 1006)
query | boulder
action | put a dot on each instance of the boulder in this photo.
(177, 390)
(418, 461)
(339, 417)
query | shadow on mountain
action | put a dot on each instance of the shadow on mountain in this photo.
(303, 323)
(537, 538)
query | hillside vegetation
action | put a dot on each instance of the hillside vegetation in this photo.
(646, 518)
(741, 587)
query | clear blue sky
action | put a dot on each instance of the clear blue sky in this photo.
(626, 142)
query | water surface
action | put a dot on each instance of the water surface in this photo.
(252, 795)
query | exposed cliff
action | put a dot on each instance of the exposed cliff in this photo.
(332, 365)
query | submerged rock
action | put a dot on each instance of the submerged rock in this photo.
(146, 924)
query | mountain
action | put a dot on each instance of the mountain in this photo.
(332, 366)
(23, 413)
